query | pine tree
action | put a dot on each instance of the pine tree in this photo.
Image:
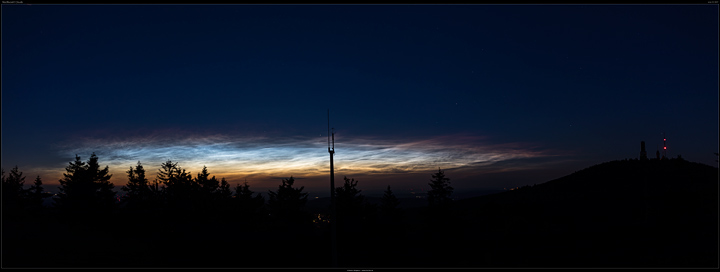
(74, 192)
(208, 185)
(348, 199)
(245, 201)
(242, 192)
(221, 200)
(138, 191)
(354, 216)
(287, 202)
(391, 222)
(36, 194)
(86, 188)
(106, 195)
(168, 172)
(389, 204)
(179, 186)
(439, 194)
(204, 196)
(224, 191)
(13, 194)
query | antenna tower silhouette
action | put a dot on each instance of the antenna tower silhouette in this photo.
(664, 146)
(333, 218)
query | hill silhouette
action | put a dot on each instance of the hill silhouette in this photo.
(628, 213)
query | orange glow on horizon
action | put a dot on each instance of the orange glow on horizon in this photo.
(240, 159)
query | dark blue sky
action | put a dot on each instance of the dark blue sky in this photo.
(409, 87)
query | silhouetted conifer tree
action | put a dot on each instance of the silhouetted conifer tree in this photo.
(288, 202)
(390, 225)
(223, 198)
(179, 186)
(36, 194)
(86, 188)
(206, 195)
(139, 193)
(246, 203)
(349, 201)
(224, 191)
(242, 192)
(13, 194)
(354, 216)
(440, 190)
(389, 204)
(207, 185)
(168, 172)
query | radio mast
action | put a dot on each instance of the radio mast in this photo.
(664, 146)
(333, 218)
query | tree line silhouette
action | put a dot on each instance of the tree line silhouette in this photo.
(86, 189)
(175, 200)
(15, 197)
(650, 213)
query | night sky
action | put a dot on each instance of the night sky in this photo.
(499, 96)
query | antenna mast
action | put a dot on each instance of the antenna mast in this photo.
(664, 146)
(333, 218)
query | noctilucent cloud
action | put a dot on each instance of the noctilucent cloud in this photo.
(499, 96)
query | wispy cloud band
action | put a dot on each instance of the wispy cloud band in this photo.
(240, 156)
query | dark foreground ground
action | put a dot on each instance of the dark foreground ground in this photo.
(618, 214)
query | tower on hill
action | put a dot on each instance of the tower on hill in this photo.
(664, 155)
(643, 153)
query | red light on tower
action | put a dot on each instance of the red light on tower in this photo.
(664, 146)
